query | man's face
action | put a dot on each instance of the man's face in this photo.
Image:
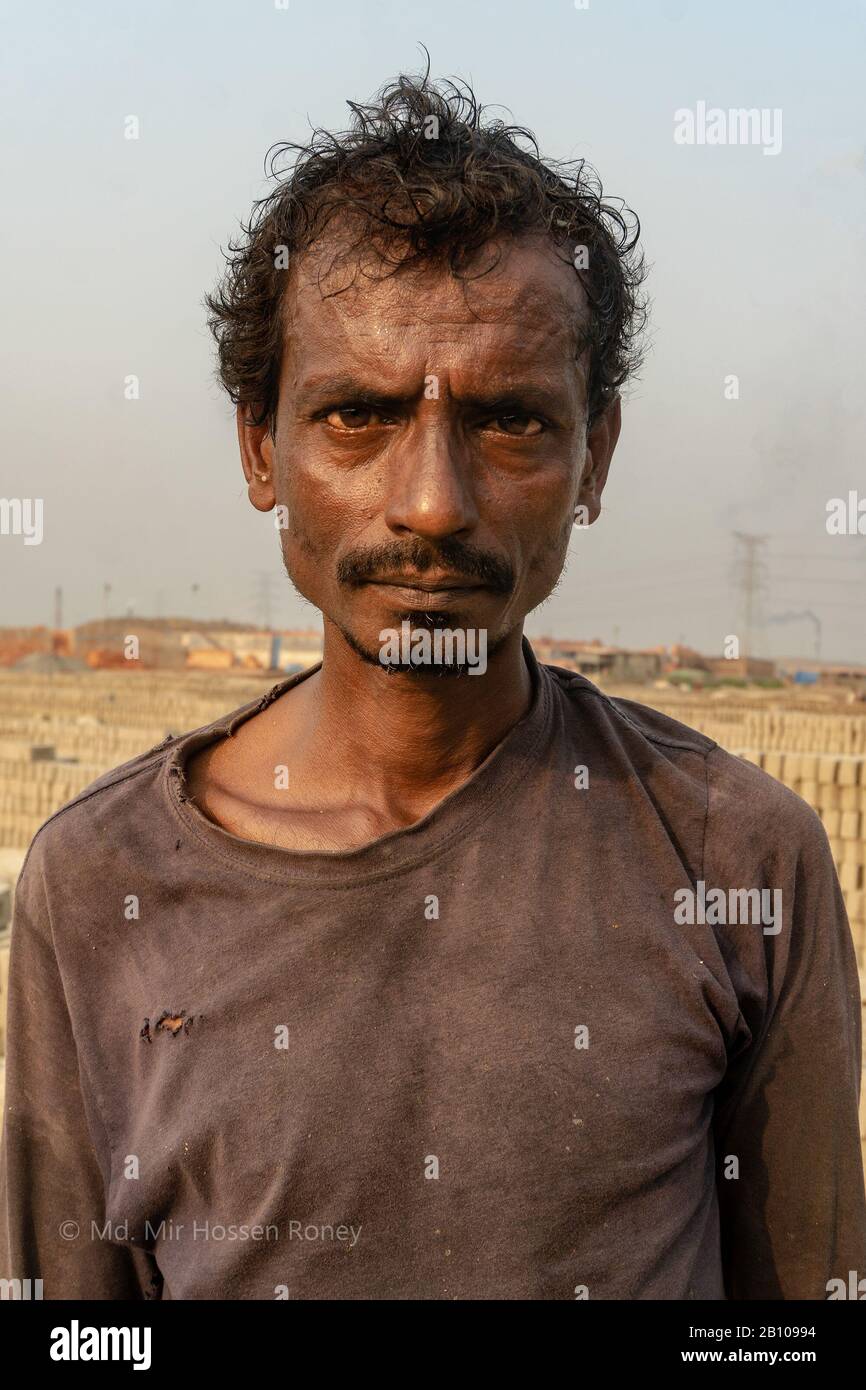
(431, 444)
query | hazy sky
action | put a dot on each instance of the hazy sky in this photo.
(758, 263)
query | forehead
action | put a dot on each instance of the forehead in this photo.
(530, 303)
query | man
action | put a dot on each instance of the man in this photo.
(434, 974)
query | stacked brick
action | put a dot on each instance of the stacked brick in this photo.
(119, 697)
(788, 731)
(31, 792)
(93, 723)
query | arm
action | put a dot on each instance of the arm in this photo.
(796, 1215)
(55, 1157)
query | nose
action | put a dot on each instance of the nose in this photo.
(431, 491)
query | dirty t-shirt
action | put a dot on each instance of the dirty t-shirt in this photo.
(506, 1053)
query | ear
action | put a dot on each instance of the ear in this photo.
(600, 444)
(257, 459)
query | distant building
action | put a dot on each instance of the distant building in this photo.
(178, 643)
(219, 648)
(47, 663)
(18, 642)
(595, 660)
(849, 677)
(681, 658)
(749, 668)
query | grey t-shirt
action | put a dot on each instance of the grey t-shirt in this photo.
(505, 1053)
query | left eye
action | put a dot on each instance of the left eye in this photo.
(350, 417)
(521, 426)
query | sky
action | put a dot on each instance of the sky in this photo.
(757, 263)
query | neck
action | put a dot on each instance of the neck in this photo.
(414, 737)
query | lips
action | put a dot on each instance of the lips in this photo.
(445, 585)
(428, 595)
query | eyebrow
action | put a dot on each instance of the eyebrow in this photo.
(346, 387)
(518, 395)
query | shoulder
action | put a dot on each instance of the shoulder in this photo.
(72, 834)
(751, 808)
(740, 799)
(119, 809)
(627, 716)
(644, 756)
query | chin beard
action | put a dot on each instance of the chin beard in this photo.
(419, 620)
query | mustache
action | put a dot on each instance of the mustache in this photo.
(416, 557)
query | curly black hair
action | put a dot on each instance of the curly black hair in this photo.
(422, 176)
